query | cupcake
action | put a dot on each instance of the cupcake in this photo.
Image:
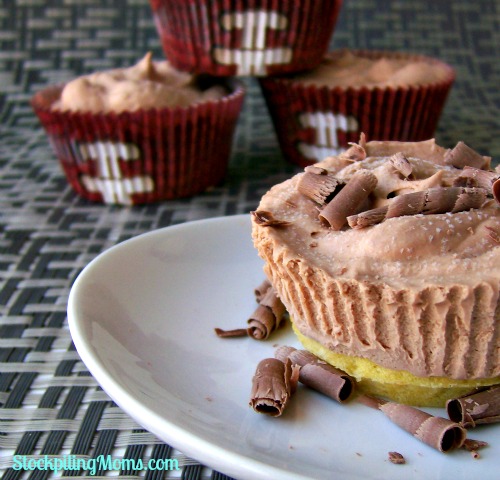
(250, 38)
(386, 95)
(141, 134)
(387, 258)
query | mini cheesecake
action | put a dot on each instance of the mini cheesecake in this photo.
(387, 258)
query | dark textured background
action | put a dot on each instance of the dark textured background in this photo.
(48, 401)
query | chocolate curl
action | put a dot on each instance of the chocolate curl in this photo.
(267, 316)
(354, 153)
(401, 164)
(473, 446)
(368, 218)
(266, 219)
(237, 332)
(262, 289)
(440, 433)
(495, 189)
(475, 409)
(272, 386)
(474, 177)
(349, 199)
(462, 155)
(428, 202)
(316, 170)
(318, 187)
(317, 374)
(396, 458)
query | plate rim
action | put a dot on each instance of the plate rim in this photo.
(214, 456)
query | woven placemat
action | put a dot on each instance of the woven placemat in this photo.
(50, 404)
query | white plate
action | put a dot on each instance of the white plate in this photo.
(142, 316)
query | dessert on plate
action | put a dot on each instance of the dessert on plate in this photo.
(143, 133)
(387, 258)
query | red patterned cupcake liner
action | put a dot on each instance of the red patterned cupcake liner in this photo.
(314, 122)
(245, 38)
(142, 156)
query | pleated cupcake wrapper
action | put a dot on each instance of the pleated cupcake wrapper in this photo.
(252, 38)
(314, 122)
(143, 156)
(403, 329)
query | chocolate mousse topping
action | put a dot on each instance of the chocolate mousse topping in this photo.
(351, 69)
(146, 85)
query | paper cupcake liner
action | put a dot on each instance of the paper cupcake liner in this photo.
(142, 156)
(315, 122)
(252, 38)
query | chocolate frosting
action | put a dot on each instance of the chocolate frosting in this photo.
(146, 85)
(345, 68)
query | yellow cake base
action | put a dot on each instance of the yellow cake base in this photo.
(397, 385)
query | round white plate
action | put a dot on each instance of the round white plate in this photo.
(142, 316)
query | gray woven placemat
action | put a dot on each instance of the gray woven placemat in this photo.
(49, 402)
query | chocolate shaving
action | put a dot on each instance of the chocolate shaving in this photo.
(495, 190)
(267, 316)
(318, 188)
(427, 202)
(265, 319)
(440, 433)
(396, 458)
(237, 332)
(472, 445)
(476, 408)
(318, 374)
(349, 199)
(401, 164)
(262, 289)
(272, 386)
(474, 177)
(368, 218)
(316, 170)
(437, 432)
(354, 153)
(462, 155)
(266, 219)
